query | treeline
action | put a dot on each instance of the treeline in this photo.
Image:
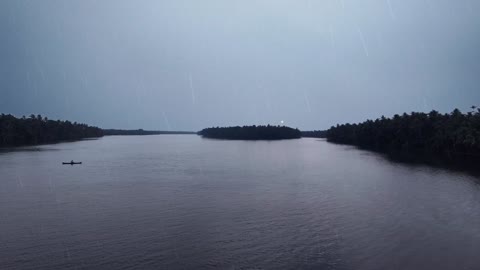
(454, 134)
(251, 133)
(110, 132)
(314, 134)
(39, 130)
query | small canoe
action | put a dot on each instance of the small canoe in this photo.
(71, 163)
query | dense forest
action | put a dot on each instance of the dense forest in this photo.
(39, 130)
(109, 132)
(251, 133)
(454, 134)
(314, 134)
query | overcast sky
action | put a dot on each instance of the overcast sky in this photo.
(185, 65)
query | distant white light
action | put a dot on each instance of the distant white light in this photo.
(281, 122)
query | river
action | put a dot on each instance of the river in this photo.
(183, 202)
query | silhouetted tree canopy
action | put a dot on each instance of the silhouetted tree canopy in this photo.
(251, 133)
(38, 130)
(447, 135)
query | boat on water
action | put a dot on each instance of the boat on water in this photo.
(71, 163)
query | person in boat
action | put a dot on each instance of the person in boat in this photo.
(72, 162)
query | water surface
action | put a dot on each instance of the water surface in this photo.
(183, 202)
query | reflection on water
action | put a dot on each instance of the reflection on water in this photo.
(182, 202)
(457, 163)
(36, 148)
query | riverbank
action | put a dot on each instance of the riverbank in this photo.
(37, 130)
(135, 132)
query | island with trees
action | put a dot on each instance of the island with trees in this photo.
(450, 136)
(40, 130)
(251, 133)
(314, 134)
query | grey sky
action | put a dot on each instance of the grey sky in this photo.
(185, 65)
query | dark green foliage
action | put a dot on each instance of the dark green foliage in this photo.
(251, 133)
(315, 134)
(37, 130)
(109, 132)
(453, 134)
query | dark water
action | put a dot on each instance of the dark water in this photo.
(182, 202)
